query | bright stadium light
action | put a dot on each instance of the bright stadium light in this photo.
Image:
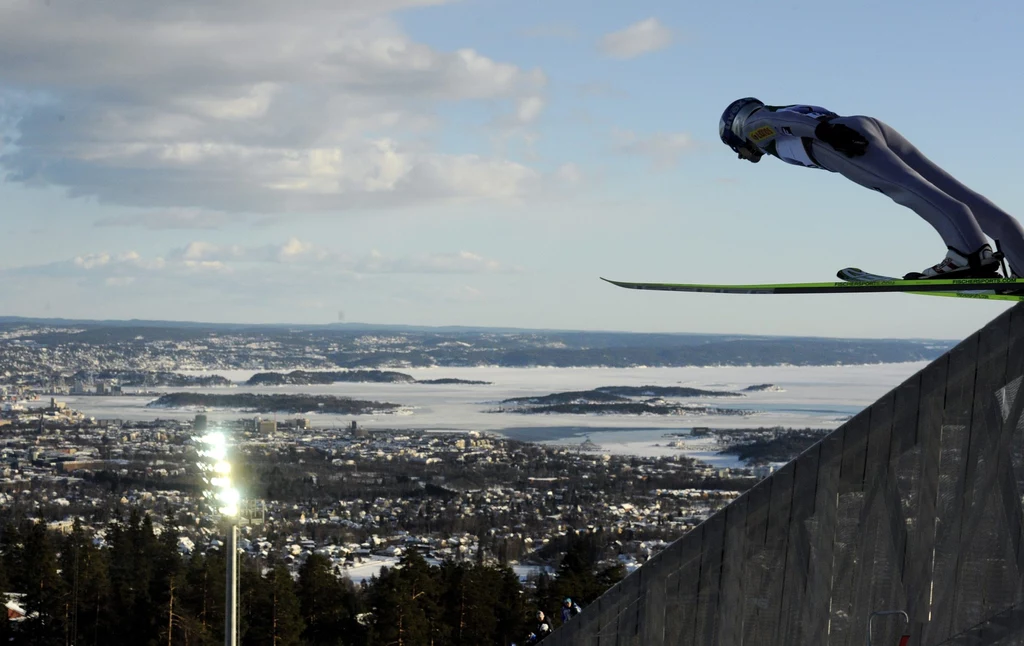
(215, 446)
(229, 497)
(215, 471)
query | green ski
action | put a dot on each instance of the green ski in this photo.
(989, 288)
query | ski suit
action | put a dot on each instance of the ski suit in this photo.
(894, 167)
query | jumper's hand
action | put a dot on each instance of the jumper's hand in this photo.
(750, 153)
(843, 138)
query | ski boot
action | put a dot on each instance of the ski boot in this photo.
(983, 263)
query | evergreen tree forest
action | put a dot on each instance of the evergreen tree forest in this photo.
(139, 590)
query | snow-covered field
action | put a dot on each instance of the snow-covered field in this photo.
(372, 567)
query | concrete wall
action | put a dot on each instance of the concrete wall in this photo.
(914, 505)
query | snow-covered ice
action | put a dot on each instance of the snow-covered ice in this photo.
(818, 396)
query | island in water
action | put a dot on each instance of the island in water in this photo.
(766, 445)
(620, 400)
(147, 378)
(757, 388)
(295, 404)
(316, 377)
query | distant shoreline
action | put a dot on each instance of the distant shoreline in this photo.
(554, 433)
(214, 371)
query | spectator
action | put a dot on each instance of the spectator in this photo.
(570, 609)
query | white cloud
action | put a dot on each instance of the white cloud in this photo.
(228, 106)
(529, 108)
(200, 250)
(170, 219)
(569, 173)
(662, 149)
(252, 103)
(205, 265)
(104, 261)
(464, 294)
(517, 123)
(297, 249)
(552, 32)
(118, 281)
(639, 38)
(292, 251)
(300, 254)
(463, 262)
(92, 260)
(598, 89)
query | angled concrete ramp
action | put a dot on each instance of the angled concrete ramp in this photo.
(912, 505)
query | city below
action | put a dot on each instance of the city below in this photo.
(566, 518)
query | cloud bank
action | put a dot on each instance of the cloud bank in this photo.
(246, 106)
(637, 39)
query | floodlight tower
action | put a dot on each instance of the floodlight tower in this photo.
(217, 474)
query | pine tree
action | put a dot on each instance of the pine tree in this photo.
(150, 589)
(406, 605)
(397, 619)
(71, 560)
(456, 612)
(135, 591)
(471, 594)
(85, 572)
(165, 579)
(6, 629)
(44, 589)
(13, 548)
(575, 577)
(201, 598)
(277, 616)
(543, 594)
(250, 586)
(323, 603)
(511, 611)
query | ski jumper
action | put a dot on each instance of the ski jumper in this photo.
(892, 166)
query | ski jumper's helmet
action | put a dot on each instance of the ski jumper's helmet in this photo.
(730, 127)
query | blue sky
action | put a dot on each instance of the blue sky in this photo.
(480, 162)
